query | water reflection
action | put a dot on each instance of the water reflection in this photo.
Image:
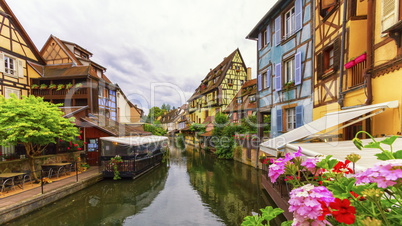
(195, 188)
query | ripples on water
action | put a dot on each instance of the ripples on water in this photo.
(194, 188)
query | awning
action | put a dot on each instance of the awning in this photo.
(328, 121)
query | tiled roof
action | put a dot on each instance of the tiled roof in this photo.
(217, 72)
(65, 70)
(170, 116)
(248, 89)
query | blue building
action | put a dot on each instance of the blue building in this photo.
(285, 65)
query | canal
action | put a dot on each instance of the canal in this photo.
(193, 188)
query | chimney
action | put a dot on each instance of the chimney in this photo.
(248, 73)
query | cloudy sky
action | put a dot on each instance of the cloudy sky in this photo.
(158, 51)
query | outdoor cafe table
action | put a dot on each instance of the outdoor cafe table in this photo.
(56, 167)
(5, 176)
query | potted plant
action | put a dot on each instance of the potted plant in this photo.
(78, 85)
(289, 85)
(52, 86)
(43, 86)
(69, 85)
(35, 86)
(60, 87)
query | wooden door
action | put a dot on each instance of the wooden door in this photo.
(93, 152)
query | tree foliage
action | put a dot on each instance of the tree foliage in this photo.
(155, 129)
(34, 123)
(154, 114)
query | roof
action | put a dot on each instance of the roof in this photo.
(65, 70)
(217, 72)
(248, 89)
(114, 128)
(170, 116)
(135, 140)
(71, 111)
(273, 11)
(24, 34)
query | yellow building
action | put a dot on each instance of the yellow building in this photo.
(386, 69)
(19, 58)
(218, 88)
(357, 64)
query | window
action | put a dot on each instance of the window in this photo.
(241, 82)
(8, 91)
(9, 65)
(290, 119)
(239, 100)
(289, 22)
(327, 7)
(328, 60)
(289, 71)
(389, 13)
(252, 98)
(264, 80)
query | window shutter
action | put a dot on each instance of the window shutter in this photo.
(268, 38)
(298, 71)
(298, 15)
(299, 116)
(268, 79)
(278, 77)
(259, 82)
(259, 41)
(389, 13)
(278, 32)
(279, 120)
(337, 53)
(320, 71)
(20, 68)
(2, 65)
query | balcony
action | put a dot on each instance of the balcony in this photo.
(75, 93)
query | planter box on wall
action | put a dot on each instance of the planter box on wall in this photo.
(350, 64)
(360, 58)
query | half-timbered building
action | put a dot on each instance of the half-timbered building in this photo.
(19, 61)
(71, 78)
(284, 52)
(218, 88)
(244, 104)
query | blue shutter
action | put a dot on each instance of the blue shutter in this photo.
(278, 33)
(298, 15)
(298, 69)
(259, 82)
(268, 38)
(278, 77)
(299, 116)
(268, 79)
(279, 120)
(259, 41)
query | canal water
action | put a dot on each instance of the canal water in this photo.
(193, 188)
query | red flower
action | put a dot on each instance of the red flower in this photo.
(325, 211)
(342, 167)
(68, 148)
(75, 145)
(357, 196)
(79, 149)
(343, 212)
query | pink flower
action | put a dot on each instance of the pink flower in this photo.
(277, 167)
(310, 164)
(306, 204)
(385, 173)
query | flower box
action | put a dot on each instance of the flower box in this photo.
(350, 64)
(360, 58)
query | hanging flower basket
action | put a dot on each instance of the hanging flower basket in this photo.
(350, 64)
(361, 58)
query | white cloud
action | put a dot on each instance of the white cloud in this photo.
(146, 42)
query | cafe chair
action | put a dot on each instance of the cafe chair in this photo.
(21, 180)
(7, 184)
(47, 172)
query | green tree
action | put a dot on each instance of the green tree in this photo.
(34, 123)
(154, 114)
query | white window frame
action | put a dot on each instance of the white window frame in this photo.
(289, 22)
(9, 90)
(290, 119)
(289, 69)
